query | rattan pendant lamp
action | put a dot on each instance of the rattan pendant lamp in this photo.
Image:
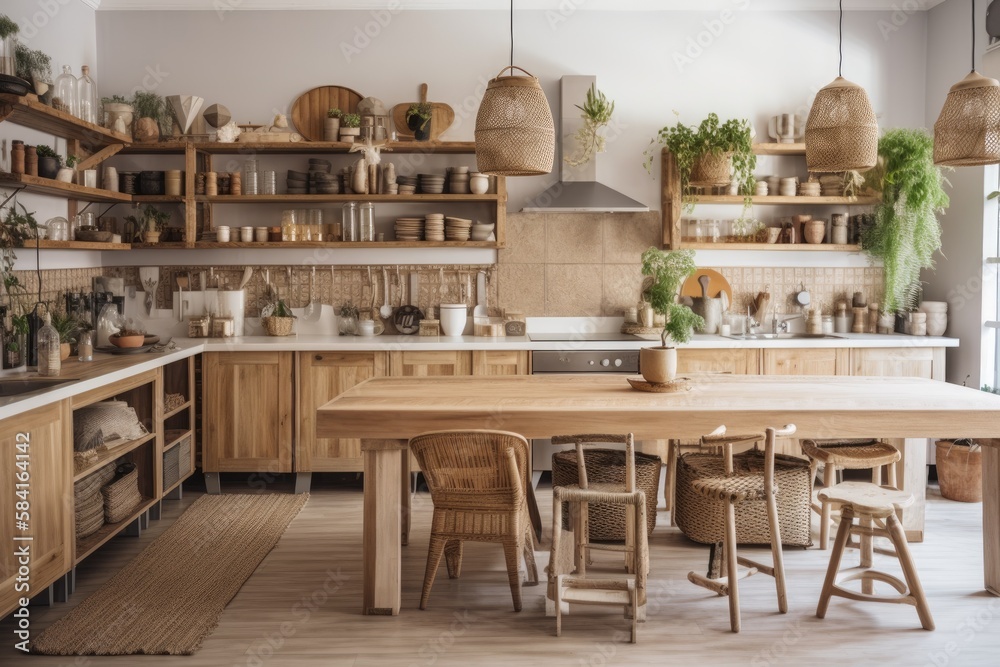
(967, 133)
(842, 131)
(515, 135)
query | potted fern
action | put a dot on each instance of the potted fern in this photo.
(350, 127)
(331, 125)
(669, 270)
(418, 119)
(152, 117)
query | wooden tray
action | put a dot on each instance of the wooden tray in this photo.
(442, 118)
(717, 284)
(309, 110)
(678, 385)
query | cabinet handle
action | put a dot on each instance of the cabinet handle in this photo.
(319, 357)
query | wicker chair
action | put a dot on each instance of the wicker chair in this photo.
(477, 481)
(733, 487)
(851, 455)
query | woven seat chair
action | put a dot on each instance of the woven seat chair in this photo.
(732, 488)
(847, 455)
(477, 481)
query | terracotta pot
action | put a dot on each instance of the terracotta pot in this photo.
(960, 471)
(64, 351)
(814, 231)
(146, 130)
(126, 341)
(658, 364)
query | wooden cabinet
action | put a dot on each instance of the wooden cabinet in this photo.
(36, 443)
(501, 362)
(322, 376)
(805, 361)
(247, 401)
(925, 362)
(725, 360)
(426, 363)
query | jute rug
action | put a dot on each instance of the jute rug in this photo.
(170, 597)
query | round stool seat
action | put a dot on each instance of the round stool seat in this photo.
(867, 498)
(853, 454)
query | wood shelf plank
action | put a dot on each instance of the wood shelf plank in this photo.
(346, 244)
(110, 455)
(158, 199)
(783, 201)
(798, 148)
(304, 199)
(177, 483)
(239, 147)
(178, 410)
(808, 247)
(91, 543)
(172, 437)
(46, 244)
(48, 186)
(27, 111)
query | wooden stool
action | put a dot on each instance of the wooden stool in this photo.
(850, 455)
(733, 488)
(875, 508)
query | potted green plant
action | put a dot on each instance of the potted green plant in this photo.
(66, 172)
(280, 321)
(35, 67)
(8, 42)
(49, 161)
(118, 113)
(152, 117)
(150, 223)
(331, 125)
(906, 232)
(350, 127)
(669, 270)
(596, 114)
(959, 464)
(712, 153)
(16, 227)
(418, 119)
(66, 326)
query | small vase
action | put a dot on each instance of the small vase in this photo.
(48, 167)
(331, 129)
(349, 134)
(65, 175)
(64, 350)
(420, 127)
(151, 237)
(658, 364)
(814, 231)
(146, 130)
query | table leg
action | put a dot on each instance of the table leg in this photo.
(913, 479)
(407, 494)
(381, 548)
(991, 517)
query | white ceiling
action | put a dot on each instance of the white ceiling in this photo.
(554, 5)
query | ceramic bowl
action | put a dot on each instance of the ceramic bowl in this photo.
(453, 318)
(127, 341)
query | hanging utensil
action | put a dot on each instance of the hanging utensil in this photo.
(312, 311)
(480, 309)
(149, 276)
(183, 282)
(247, 273)
(385, 312)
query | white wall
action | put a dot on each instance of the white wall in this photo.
(66, 31)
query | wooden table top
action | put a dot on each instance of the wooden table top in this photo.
(542, 405)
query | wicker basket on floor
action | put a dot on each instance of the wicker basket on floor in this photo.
(701, 519)
(121, 497)
(607, 522)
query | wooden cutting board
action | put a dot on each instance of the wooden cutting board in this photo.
(717, 284)
(309, 110)
(443, 117)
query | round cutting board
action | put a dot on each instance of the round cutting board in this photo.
(717, 284)
(309, 110)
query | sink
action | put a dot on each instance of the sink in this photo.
(782, 336)
(16, 387)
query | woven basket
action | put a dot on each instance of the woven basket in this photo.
(712, 169)
(89, 515)
(607, 522)
(121, 497)
(184, 457)
(702, 519)
(171, 468)
(967, 133)
(278, 326)
(92, 483)
(515, 135)
(842, 130)
(103, 422)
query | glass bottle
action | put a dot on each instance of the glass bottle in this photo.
(87, 101)
(8, 47)
(65, 92)
(85, 346)
(350, 221)
(366, 231)
(47, 346)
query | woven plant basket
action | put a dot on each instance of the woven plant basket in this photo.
(960, 471)
(712, 169)
(515, 135)
(967, 133)
(121, 497)
(842, 130)
(278, 326)
(607, 466)
(702, 520)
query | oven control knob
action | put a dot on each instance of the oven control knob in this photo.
(618, 363)
(591, 362)
(605, 362)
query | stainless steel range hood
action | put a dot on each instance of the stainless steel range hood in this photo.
(578, 190)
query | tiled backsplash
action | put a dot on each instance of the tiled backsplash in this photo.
(55, 282)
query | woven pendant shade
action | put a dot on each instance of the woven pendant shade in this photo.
(967, 133)
(515, 135)
(842, 131)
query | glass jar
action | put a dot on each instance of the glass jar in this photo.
(8, 49)
(349, 221)
(316, 226)
(249, 183)
(88, 103)
(58, 229)
(289, 231)
(64, 96)
(268, 184)
(85, 346)
(47, 345)
(366, 231)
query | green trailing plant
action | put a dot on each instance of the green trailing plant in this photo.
(669, 270)
(72, 161)
(8, 27)
(688, 143)
(151, 219)
(334, 113)
(906, 232)
(66, 326)
(32, 64)
(350, 120)
(596, 114)
(147, 104)
(421, 110)
(16, 226)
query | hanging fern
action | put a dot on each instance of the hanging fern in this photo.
(906, 232)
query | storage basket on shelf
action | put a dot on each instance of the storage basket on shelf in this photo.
(607, 522)
(701, 518)
(184, 457)
(712, 169)
(88, 501)
(278, 326)
(171, 467)
(122, 496)
(102, 426)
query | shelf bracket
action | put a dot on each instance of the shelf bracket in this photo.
(12, 195)
(99, 157)
(6, 110)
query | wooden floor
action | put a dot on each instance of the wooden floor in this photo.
(302, 605)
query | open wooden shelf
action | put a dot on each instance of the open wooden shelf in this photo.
(292, 147)
(27, 111)
(47, 244)
(181, 480)
(779, 200)
(177, 411)
(110, 455)
(809, 247)
(54, 188)
(348, 244)
(91, 543)
(171, 437)
(158, 199)
(779, 149)
(293, 199)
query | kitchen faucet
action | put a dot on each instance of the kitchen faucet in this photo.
(751, 323)
(782, 326)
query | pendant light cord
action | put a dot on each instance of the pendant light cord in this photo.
(973, 35)
(512, 33)
(840, 64)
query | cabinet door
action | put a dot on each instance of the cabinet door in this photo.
(45, 437)
(500, 362)
(726, 360)
(806, 361)
(924, 362)
(247, 401)
(430, 363)
(322, 377)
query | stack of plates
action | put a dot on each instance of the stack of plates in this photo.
(407, 184)
(409, 229)
(434, 227)
(482, 231)
(297, 182)
(458, 181)
(457, 229)
(831, 185)
(431, 184)
(809, 189)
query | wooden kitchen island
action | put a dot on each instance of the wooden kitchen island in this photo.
(385, 412)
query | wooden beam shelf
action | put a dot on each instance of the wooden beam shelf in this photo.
(46, 244)
(303, 199)
(48, 186)
(782, 201)
(295, 147)
(27, 111)
(808, 247)
(346, 244)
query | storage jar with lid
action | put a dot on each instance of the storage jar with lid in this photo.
(366, 225)
(64, 97)
(349, 220)
(88, 102)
